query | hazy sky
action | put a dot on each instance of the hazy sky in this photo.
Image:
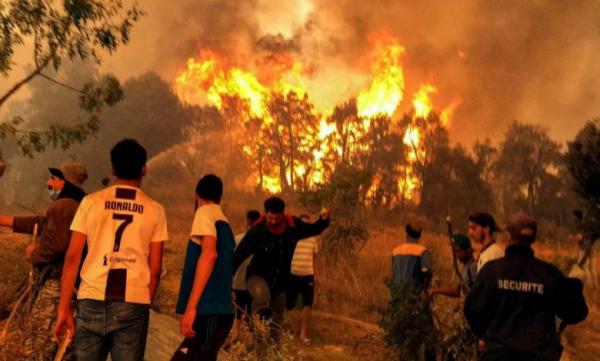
(536, 61)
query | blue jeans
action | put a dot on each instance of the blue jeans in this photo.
(103, 327)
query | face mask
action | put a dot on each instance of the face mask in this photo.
(53, 193)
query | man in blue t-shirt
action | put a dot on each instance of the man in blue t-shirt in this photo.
(205, 292)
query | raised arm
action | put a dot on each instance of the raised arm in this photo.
(307, 230)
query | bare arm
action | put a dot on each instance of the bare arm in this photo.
(64, 320)
(307, 230)
(204, 269)
(155, 262)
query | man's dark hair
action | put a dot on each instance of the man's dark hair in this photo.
(210, 187)
(484, 219)
(252, 215)
(274, 205)
(412, 231)
(128, 159)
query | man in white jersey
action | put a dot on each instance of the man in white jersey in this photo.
(303, 279)
(124, 230)
(482, 227)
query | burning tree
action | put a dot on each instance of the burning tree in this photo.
(292, 146)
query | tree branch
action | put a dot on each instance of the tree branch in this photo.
(60, 83)
(25, 80)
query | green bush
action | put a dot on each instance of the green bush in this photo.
(407, 323)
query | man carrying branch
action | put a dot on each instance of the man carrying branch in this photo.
(64, 188)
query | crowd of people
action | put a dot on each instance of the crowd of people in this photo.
(106, 248)
(512, 300)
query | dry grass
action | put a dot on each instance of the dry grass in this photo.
(352, 287)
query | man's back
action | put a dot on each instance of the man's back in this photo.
(411, 263)
(120, 222)
(514, 302)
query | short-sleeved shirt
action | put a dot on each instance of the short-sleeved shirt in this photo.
(216, 297)
(303, 260)
(119, 222)
(490, 253)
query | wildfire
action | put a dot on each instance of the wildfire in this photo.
(387, 87)
(209, 79)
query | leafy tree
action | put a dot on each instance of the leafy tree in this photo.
(583, 162)
(149, 108)
(60, 32)
(290, 138)
(526, 155)
(344, 195)
(452, 180)
(485, 154)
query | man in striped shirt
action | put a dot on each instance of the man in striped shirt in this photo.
(302, 280)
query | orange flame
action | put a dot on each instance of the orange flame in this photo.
(209, 79)
(387, 87)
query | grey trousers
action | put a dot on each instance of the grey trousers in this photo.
(270, 306)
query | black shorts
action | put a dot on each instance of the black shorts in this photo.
(211, 333)
(300, 285)
(243, 303)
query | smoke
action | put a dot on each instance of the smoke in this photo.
(534, 61)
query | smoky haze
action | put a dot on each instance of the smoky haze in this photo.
(534, 61)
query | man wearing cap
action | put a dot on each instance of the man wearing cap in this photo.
(64, 188)
(515, 301)
(482, 227)
(464, 254)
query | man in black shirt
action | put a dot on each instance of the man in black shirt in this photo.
(515, 301)
(272, 241)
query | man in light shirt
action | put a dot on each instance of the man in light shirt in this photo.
(124, 230)
(303, 279)
(205, 292)
(482, 229)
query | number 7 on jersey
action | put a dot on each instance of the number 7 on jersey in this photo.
(127, 219)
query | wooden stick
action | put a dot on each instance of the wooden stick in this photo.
(63, 347)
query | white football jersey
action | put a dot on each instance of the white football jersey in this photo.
(119, 222)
